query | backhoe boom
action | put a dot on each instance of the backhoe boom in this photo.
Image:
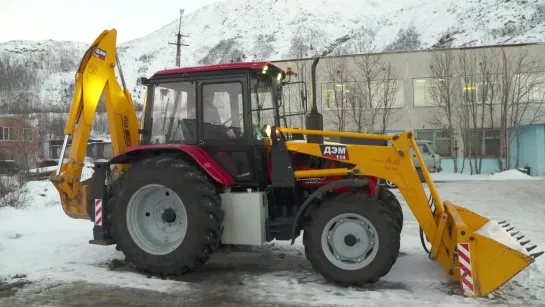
(95, 77)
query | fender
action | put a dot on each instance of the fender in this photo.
(135, 153)
(353, 183)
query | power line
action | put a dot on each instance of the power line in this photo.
(179, 41)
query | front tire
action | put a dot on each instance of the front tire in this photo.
(392, 204)
(167, 216)
(351, 239)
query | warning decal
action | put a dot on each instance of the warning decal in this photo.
(338, 152)
(99, 53)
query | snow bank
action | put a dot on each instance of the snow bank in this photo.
(511, 174)
(41, 193)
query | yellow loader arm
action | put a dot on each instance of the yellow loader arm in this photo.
(94, 77)
(480, 263)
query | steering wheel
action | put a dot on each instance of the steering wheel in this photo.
(236, 130)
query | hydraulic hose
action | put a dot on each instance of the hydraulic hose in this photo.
(431, 202)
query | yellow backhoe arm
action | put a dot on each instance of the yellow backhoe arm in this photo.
(94, 77)
(479, 263)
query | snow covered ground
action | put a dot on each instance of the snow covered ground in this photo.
(511, 174)
(52, 250)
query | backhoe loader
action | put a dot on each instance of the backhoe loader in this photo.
(210, 164)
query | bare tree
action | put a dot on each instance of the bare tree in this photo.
(388, 90)
(444, 93)
(476, 70)
(362, 112)
(375, 91)
(407, 39)
(487, 95)
(522, 97)
(21, 151)
(339, 83)
(362, 42)
(303, 43)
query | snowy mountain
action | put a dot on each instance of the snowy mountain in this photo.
(42, 71)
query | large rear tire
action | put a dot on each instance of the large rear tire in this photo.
(351, 239)
(167, 216)
(392, 204)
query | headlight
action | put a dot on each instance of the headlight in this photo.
(267, 130)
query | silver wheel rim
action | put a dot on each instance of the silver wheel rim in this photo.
(390, 184)
(156, 219)
(350, 241)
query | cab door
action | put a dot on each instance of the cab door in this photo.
(223, 132)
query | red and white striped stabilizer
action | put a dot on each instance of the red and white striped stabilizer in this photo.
(98, 212)
(466, 276)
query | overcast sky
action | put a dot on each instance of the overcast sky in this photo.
(84, 20)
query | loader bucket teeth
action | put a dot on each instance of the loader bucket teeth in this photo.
(518, 238)
(535, 255)
(524, 243)
(510, 229)
(502, 222)
(531, 248)
(487, 255)
(514, 233)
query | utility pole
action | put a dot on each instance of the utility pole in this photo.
(178, 43)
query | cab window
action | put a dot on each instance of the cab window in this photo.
(173, 113)
(222, 111)
(262, 104)
(423, 148)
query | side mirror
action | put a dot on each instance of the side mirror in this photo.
(280, 95)
(304, 97)
(143, 80)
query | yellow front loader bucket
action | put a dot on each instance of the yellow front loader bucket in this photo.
(480, 253)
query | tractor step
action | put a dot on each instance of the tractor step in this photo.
(279, 229)
(102, 242)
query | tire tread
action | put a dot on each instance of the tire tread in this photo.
(209, 204)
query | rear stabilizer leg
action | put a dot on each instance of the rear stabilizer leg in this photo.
(101, 230)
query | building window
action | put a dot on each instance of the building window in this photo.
(355, 95)
(439, 138)
(25, 134)
(387, 93)
(479, 88)
(6, 134)
(54, 152)
(337, 96)
(537, 88)
(425, 91)
(479, 144)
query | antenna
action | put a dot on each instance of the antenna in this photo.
(179, 41)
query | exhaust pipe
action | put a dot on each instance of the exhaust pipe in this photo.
(314, 120)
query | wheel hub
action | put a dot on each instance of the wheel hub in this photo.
(169, 215)
(156, 219)
(350, 241)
